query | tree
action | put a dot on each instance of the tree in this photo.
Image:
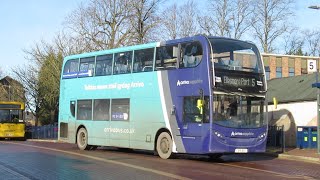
(102, 24)
(170, 22)
(241, 15)
(271, 21)
(27, 76)
(228, 18)
(144, 19)
(187, 19)
(179, 21)
(293, 43)
(41, 78)
(312, 39)
(218, 20)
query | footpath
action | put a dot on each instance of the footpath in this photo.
(307, 155)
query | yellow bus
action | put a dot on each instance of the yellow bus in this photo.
(12, 124)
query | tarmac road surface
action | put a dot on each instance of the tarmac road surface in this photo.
(55, 160)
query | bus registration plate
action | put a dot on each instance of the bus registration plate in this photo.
(241, 150)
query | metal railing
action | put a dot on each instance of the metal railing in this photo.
(42, 132)
(276, 139)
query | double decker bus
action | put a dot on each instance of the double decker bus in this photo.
(195, 95)
(12, 124)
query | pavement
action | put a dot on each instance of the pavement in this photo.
(306, 155)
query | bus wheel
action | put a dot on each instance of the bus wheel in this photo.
(82, 139)
(164, 145)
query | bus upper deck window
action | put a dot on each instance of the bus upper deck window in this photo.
(167, 57)
(191, 54)
(122, 63)
(86, 67)
(104, 65)
(71, 68)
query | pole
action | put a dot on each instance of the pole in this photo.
(318, 97)
(9, 93)
(318, 118)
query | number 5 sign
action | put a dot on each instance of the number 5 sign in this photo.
(312, 65)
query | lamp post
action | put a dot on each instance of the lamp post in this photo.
(317, 85)
(314, 7)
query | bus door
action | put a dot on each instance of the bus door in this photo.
(70, 127)
(195, 122)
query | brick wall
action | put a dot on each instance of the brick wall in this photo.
(272, 59)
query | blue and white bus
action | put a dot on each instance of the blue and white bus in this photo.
(195, 95)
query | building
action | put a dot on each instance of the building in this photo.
(297, 104)
(277, 65)
(11, 90)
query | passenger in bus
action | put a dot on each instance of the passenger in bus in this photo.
(233, 108)
(189, 59)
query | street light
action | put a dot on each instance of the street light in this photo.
(317, 85)
(314, 7)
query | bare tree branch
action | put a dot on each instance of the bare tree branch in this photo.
(270, 21)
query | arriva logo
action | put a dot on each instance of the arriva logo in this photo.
(179, 83)
(185, 82)
(242, 133)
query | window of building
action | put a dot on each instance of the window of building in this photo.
(101, 109)
(167, 57)
(104, 65)
(120, 109)
(291, 72)
(267, 69)
(192, 112)
(86, 67)
(122, 63)
(304, 71)
(291, 65)
(84, 110)
(143, 60)
(191, 54)
(278, 72)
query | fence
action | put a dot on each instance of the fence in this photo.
(43, 132)
(276, 139)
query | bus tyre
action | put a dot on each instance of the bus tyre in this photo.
(164, 145)
(82, 139)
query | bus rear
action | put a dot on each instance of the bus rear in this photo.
(12, 125)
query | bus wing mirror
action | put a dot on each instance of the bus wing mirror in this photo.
(275, 102)
(200, 103)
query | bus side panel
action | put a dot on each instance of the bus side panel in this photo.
(191, 82)
(169, 111)
(67, 126)
(146, 112)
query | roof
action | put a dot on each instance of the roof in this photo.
(292, 89)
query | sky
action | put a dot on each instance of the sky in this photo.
(26, 22)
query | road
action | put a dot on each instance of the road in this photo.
(49, 160)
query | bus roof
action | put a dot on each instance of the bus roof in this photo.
(143, 46)
(12, 105)
(111, 51)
